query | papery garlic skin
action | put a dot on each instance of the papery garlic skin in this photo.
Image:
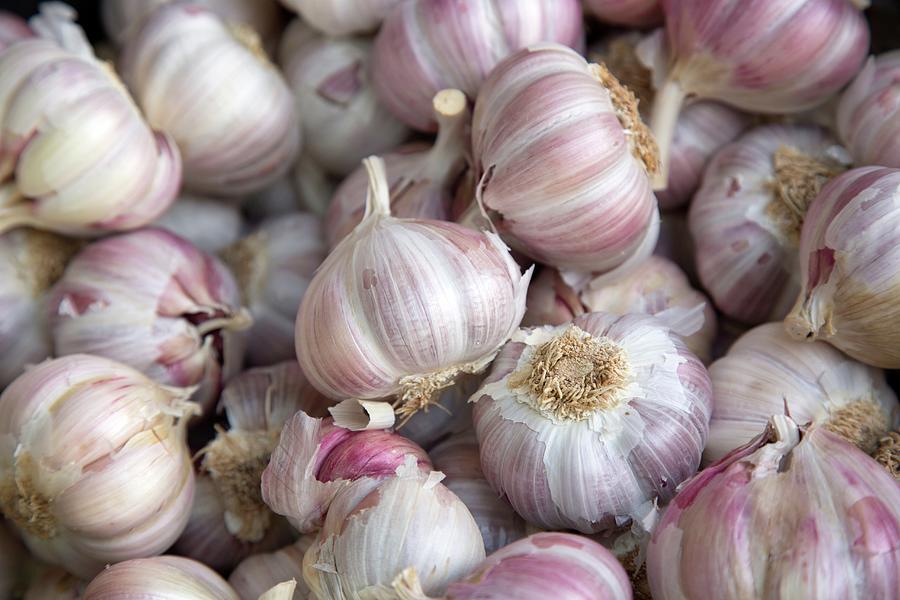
(159, 578)
(745, 219)
(635, 13)
(54, 583)
(431, 45)
(828, 511)
(563, 164)
(12, 29)
(214, 90)
(94, 466)
(342, 17)
(210, 225)
(865, 114)
(626, 431)
(850, 287)
(153, 301)
(766, 372)
(258, 573)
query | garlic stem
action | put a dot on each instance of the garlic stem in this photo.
(663, 121)
(56, 22)
(361, 415)
(448, 153)
(242, 320)
(378, 197)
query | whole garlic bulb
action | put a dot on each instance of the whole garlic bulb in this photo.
(746, 217)
(826, 510)
(766, 371)
(12, 28)
(94, 468)
(77, 155)
(342, 17)
(153, 301)
(848, 295)
(343, 121)
(634, 13)
(212, 87)
(564, 159)
(865, 113)
(210, 225)
(259, 572)
(159, 578)
(404, 306)
(588, 424)
(274, 266)
(431, 45)
(54, 583)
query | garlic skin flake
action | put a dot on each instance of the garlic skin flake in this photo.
(589, 424)
(259, 572)
(94, 467)
(342, 17)
(866, 113)
(159, 578)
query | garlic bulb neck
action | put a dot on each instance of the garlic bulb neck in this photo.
(862, 423)
(888, 453)
(378, 196)
(45, 256)
(448, 153)
(249, 39)
(419, 392)
(23, 503)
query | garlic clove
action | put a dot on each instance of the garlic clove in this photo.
(342, 17)
(865, 111)
(259, 572)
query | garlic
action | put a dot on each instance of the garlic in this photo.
(370, 325)
(634, 13)
(563, 161)
(850, 291)
(551, 301)
(827, 511)
(159, 578)
(258, 573)
(768, 58)
(865, 114)
(94, 467)
(430, 45)
(451, 414)
(213, 89)
(153, 301)
(77, 156)
(589, 424)
(675, 243)
(746, 217)
(12, 29)
(280, 198)
(766, 372)
(341, 17)
(420, 178)
(53, 583)
(273, 266)
(888, 453)
(210, 225)
(30, 263)
(343, 121)
(11, 561)
(313, 186)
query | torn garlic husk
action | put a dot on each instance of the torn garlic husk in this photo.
(169, 578)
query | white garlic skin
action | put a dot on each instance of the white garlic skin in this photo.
(258, 573)
(865, 113)
(226, 105)
(342, 17)
(159, 578)
(12, 29)
(633, 13)
(210, 225)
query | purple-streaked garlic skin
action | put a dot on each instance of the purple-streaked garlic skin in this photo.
(258, 573)
(12, 29)
(557, 169)
(849, 285)
(828, 511)
(234, 119)
(766, 371)
(746, 255)
(155, 302)
(428, 427)
(169, 578)
(866, 113)
(209, 224)
(632, 13)
(342, 17)
(427, 46)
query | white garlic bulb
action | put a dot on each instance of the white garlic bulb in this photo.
(258, 573)
(210, 225)
(341, 17)
(213, 89)
(159, 578)
(94, 468)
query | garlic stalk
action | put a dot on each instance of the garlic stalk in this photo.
(634, 13)
(865, 114)
(12, 29)
(159, 578)
(54, 583)
(451, 414)
(370, 325)
(210, 225)
(342, 17)
(258, 573)
(83, 438)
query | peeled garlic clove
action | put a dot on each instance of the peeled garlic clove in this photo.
(865, 114)
(746, 217)
(212, 87)
(159, 578)
(83, 438)
(828, 511)
(451, 414)
(153, 301)
(427, 46)
(342, 17)
(635, 13)
(12, 29)
(589, 424)
(258, 573)
(210, 225)
(551, 301)
(54, 583)
(273, 266)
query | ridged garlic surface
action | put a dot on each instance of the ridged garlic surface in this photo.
(866, 114)
(259, 572)
(210, 225)
(342, 17)
(159, 578)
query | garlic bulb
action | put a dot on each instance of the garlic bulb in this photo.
(770, 58)
(370, 325)
(12, 28)
(586, 425)
(159, 578)
(343, 121)
(849, 283)
(342, 17)
(53, 583)
(11, 560)
(452, 414)
(212, 87)
(746, 217)
(94, 467)
(273, 266)
(430, 45)
(563, 160)
(77, 155)
(30, 263)
(258, 573)
(865, 114)
(634, 13)
(210, 225)
(826, 510)
(766, 371)
(153, 301)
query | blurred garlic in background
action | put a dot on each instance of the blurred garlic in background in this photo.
(342, 17)
(259, 572)
(209, 224)
(12, 28)
(12, 558)
(866, 114)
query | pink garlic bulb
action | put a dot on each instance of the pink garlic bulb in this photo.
(12, 29)
(94, 468)
(769, 57)
(343, 121)
(210, 225)
(54, 583)
(273, 266)
(766, 372)
(563, 161)
(159, 578)
(212, 87)
(746, 217)
(258, 573)
(75, 154)
(826, 510)
(865, 114)
(342, 17)
(430, 45)
(634, 13)
(589, 424)
(452, 415)
(153, 301)
(848, 279)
